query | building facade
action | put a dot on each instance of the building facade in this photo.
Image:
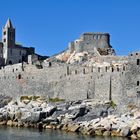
(10, 51)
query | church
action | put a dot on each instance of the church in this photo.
(10, 51)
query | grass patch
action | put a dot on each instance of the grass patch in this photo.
(112, 104)
(56, 100)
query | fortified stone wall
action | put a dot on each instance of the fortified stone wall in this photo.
(75, 82)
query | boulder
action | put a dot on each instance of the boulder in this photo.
(9, 123)
(125, 131)
(48, 120)
(138, 133)
(73, 127)
(134, 137)
(107, 133)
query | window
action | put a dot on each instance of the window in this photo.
(99, 69)
(106, 69)
(136, 53)
(138, 61)
(138, 83)
(84, 71)
(50, 64)
(4, 33)
(75, 71)
(4, 40)
(112, 69)
(19, 76)
(10, 62)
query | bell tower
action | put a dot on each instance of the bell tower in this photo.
(8, 38)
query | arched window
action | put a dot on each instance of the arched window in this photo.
(10, 62)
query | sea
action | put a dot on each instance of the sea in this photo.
(13, 133)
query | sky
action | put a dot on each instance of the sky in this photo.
(49, 25)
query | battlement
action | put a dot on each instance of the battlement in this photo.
(88, 41)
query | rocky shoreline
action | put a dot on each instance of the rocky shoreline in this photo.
(88, 117)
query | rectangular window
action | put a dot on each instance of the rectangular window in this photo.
(138, 83)
(138, 61)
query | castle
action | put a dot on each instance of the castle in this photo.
(88, 69)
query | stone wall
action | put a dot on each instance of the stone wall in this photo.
(76, 82)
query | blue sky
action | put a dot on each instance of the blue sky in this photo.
(49, 25)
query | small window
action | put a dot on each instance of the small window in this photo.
(117, 68)
(50, 64)
(138, 61)
(19, 76)
(10, 62)
(4, 33)
(99, 69)
(131, 54)
(106, 69)
(84, 71)
(136, 53)
(4, 40)
(138, 83)
(75, 71)
(112, 69)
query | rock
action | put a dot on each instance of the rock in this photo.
(75, 113)
(106, 133)
(49, 126)
(50, 109)
(26, 101)
(65, 127)
(137, 114)
(49, 120)
(124, 131)
(59, 126)
(3, 123)
(99, 132)
(115, 133)
(15, 124)
(11, 114)
(73, 127)
(134, 128)
(85, 130)
(138, 133)
(91, 132)
(133, 136)
(9, 123)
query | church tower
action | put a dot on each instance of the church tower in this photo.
(8, 38)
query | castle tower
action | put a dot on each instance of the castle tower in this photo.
(8, 38)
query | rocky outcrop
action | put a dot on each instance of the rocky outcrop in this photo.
(88, 117)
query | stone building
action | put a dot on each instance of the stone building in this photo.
(10, 51)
